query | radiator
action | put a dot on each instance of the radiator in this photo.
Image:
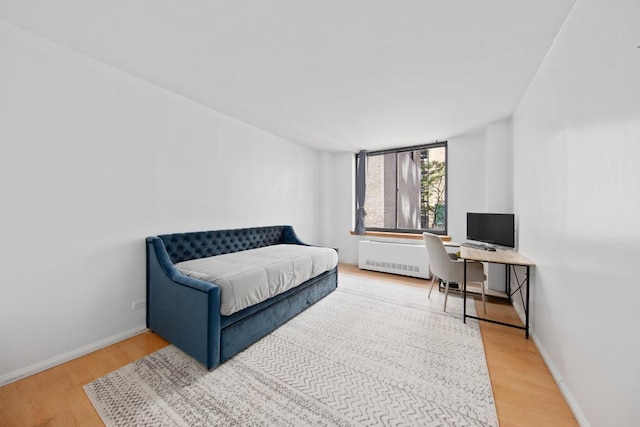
(397, 258)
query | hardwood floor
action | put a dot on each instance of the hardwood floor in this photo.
(55, 397)
(524, 390)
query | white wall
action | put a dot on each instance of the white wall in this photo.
(93, 161)
(499, 158)
(341, 180)
(479, 174)
(467, 181)
(576, 186)
(325, 198)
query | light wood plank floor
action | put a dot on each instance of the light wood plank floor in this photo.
(524, 390)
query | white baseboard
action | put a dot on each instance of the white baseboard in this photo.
(63, 358)
(573, 405)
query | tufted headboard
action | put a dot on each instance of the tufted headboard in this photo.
(201, 244)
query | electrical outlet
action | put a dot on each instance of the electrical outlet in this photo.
(139, 304)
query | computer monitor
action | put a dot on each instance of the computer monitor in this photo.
(494, 228)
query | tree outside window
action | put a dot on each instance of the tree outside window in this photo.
(433, 180)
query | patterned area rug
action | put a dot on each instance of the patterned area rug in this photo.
(370, 353)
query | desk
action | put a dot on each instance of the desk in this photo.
(511, 259)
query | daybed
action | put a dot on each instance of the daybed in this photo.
(204, 319)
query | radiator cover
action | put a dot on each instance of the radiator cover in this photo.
(397, 258)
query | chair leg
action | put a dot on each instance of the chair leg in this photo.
(446, 294)
(484, 298)
(431, 288)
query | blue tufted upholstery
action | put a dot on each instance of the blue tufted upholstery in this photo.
(202, 244)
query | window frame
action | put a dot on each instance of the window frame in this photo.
(420, 147)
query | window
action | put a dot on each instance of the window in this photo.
(407, 189)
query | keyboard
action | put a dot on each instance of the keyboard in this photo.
(476, 245)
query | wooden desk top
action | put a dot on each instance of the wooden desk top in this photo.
(499, 256)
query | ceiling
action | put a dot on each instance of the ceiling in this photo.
(334, 75)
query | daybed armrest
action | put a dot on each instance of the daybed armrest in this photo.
(170, 270)
(290, 237)
(181, 309)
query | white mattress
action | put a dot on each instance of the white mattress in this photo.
(249, 277)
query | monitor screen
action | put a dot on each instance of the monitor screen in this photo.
(493, 228)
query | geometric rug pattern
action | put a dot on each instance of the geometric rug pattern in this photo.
(370, 353)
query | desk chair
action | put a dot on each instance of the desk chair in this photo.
(449, 270)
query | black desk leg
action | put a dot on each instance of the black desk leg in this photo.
(464, 293)
(507, 280)
(526, 314)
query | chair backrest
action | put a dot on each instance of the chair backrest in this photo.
(439, 260)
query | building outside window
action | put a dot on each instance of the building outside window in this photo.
(407, 189)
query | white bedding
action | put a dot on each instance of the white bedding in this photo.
(249, 277)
